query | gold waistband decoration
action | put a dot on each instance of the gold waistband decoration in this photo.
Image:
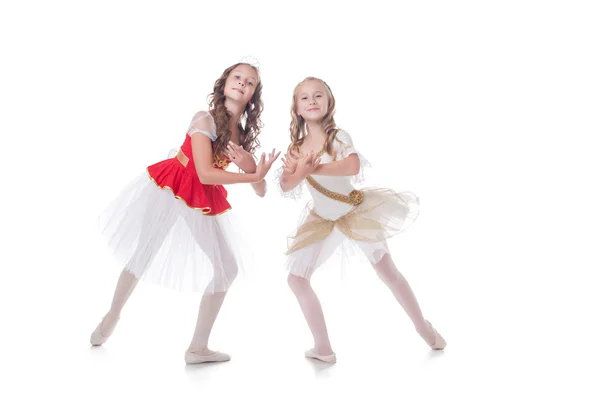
(183, 159)
(354, 198)
(217, 162)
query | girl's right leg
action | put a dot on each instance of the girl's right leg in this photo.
(313, 313)
(302, 264)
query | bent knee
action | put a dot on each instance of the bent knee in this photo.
(297, 282)
(231, 273)
(224, 277)
(388, 272)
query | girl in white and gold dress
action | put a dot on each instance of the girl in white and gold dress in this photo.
(323, 156)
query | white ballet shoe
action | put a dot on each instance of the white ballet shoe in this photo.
(97, 338)
(194, 358)
(439, 343)
(331, 359)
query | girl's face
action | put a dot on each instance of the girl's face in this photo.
(312, 101)
(241, 83)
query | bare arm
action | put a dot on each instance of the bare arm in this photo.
(289, 180)
(246, 163)
(260, 188)
(203, 160)
(349, 166)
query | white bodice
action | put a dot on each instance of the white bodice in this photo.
(324, 206)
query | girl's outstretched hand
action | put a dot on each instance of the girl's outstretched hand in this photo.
(264, 164)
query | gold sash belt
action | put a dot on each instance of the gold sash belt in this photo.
(354, 198)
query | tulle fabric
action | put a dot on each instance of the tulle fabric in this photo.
(363, 231)
(333, 233)
(294, 194)
(160, 239)
(204, 123)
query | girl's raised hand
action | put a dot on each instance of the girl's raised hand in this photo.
(241, 157)
(264, 164)
(307, 164)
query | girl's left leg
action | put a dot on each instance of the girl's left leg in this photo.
(398, 285)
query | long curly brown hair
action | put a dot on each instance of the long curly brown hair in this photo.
(298, 125)
(251, 115)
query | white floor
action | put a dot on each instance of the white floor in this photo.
(513, 330)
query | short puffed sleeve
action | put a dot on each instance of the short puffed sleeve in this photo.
(203, 123)
(344, 147)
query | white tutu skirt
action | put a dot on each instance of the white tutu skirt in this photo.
(365, 228)
(159, 239)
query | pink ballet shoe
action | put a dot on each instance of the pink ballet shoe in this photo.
(194, 358)
(97, 338)
(439, 343)
(331, 359)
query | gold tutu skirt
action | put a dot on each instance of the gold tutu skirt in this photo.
(382, 214)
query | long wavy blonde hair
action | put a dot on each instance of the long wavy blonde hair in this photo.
(251, 115)
(298, 130)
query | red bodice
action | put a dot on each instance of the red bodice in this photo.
(179, 175)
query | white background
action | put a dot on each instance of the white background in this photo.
(488, 111)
